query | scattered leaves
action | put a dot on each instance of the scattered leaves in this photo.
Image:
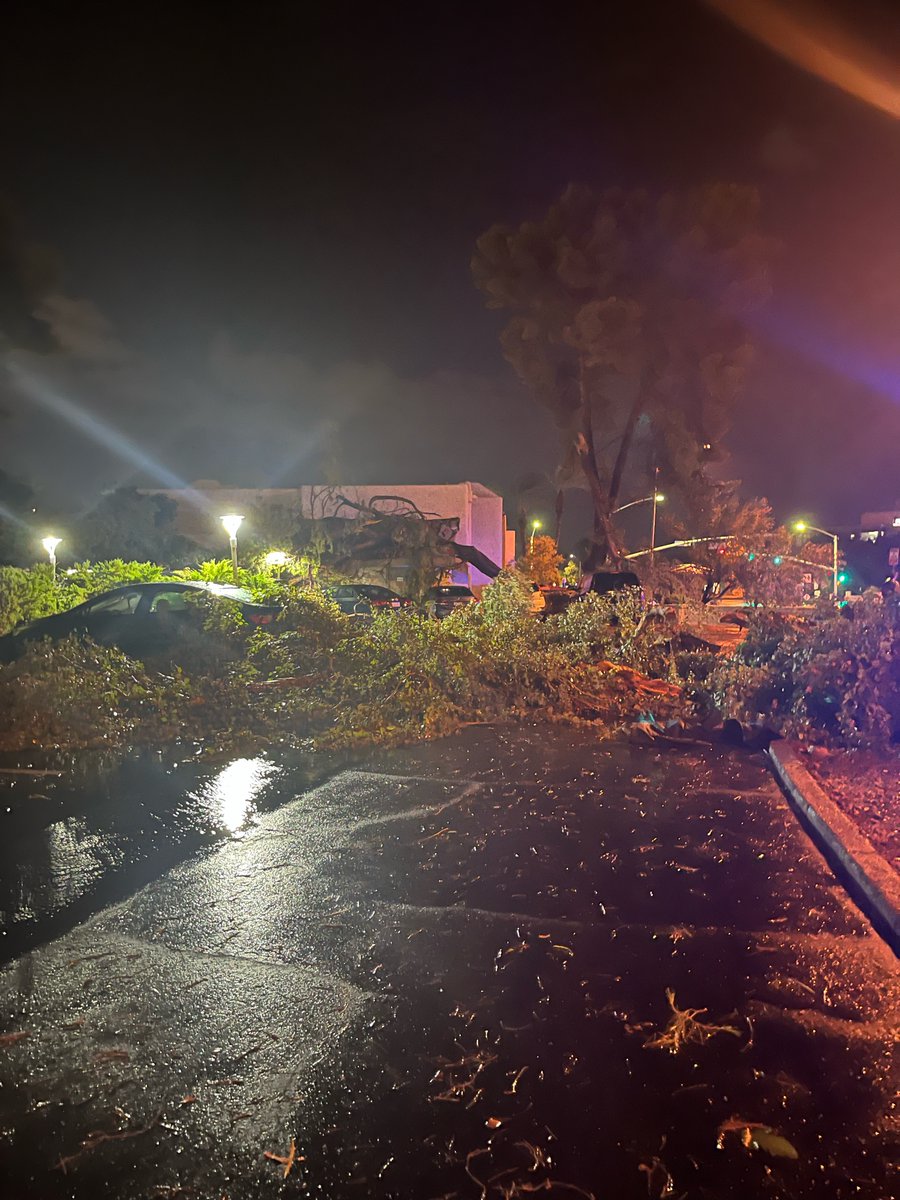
(755, 1136)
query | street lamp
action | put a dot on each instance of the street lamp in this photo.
(50, 544)
(657, 498)
(276, 558)
(802, 527)
(535, 526)
(232, 523)
(654, 499)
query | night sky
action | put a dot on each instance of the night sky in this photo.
(264, 216)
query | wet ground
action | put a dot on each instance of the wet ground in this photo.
(76, 839)
(445, 975)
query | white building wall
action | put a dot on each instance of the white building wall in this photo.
(480, 511)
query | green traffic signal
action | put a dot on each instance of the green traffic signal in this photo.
(777, 560)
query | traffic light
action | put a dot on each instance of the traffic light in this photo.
(751, 556)
(844, 577)
(777, 560)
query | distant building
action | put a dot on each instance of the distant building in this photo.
(873, 549)
(478, 510)
(874, 521)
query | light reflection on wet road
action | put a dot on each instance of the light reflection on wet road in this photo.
(439, 975)
(72, 844)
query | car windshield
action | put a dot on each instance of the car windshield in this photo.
(117, 602)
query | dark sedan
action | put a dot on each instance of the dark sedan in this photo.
(363, 599)
(139, 618)
(443, 599)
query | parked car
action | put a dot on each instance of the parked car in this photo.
(604, 582)
(139, 618)
(363, 599)
(441, 600)
(557, 599)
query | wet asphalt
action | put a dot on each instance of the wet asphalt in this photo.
(443, 972)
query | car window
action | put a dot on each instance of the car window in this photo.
(121, 602)
(373, 592)
(169, 602)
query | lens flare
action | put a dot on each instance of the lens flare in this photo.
(808, 37)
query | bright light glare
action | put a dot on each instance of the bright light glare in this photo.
(816, 42)
(232, 792)
(50, 544)
(275, 558)
(232, 523)
(659, 498)
(535, 524)
(800, 526)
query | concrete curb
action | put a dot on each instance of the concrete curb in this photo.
(872, 882)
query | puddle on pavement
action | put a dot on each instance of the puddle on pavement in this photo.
(74, 842)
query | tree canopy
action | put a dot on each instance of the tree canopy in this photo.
(626, 323)
(127, 524)
(542, 560)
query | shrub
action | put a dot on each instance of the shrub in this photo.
(76, 693)
(261, 584)
(25, 594)
(29, 593)
(88, 579)
(834, 675)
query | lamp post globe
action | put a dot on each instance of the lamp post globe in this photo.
(50, 544)
(232, 523)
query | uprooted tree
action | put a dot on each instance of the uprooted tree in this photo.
(351, 536)
(627, 325)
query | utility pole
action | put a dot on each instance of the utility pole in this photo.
(653, 518)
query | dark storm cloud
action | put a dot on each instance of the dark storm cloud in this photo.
(80, 329)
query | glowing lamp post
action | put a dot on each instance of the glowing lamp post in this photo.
(276, 558)
(50, 544)
(232, 523)
(535, 526)
(654, 499)
(802, 527)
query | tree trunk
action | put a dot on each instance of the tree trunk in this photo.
(604, 541)
(615, 482)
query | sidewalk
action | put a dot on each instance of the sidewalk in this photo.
(870, 879)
